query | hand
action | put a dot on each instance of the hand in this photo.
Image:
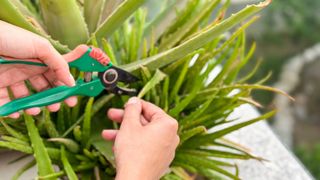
(17, 43)
(145, 144)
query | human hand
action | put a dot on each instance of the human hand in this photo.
(145, 144)
(17, 43)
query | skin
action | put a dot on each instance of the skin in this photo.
(17, 43)
(145, 144)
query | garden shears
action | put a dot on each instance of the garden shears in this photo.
(90, 61)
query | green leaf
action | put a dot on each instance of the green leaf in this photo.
(156, 79)
(86, 127)
(64, 21)
(67, 166)
(172, 39)
(49, 125)
(203, 163)
(92, 13)
(23, 169)
(13, 132)
(185, 135)
(196, 42)
(104, 147)
(17, 147)
(44, 163)
(70, 144)
(117, 18)
(11, 14)
(201, 140)
(95, 108)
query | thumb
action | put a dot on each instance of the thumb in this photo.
(132, 113)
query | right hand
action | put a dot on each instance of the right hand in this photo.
(17, 43)
(146, 142)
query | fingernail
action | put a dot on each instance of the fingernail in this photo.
(72, 80)
(133, 100)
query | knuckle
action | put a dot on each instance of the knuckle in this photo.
(172, 125)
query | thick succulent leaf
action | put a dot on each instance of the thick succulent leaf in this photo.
(109, 7)
(92, 13)
(11, 14)
(172, 39)
(58, 14)
(203, 139)
(197, 42)
(44, 163)
(156, 79)
(117, 18)
(86, 127)
(67, 166)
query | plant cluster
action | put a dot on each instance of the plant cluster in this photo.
(174, 58)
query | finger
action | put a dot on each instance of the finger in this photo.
(46, 52)
(132, 113)
(40, 83)
(109, 134)
(20, 90)
(4, 98)
(116, 115)
(150, 110)
(71, 101)
(76, 53)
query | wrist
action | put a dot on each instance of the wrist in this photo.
(135, 174)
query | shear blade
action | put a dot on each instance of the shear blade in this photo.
(124, 76)
(122, 91)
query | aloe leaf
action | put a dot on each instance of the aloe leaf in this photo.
(95, 108)
(11, 14)
(163, 15)
(17, 147)
(181, 77)
(105, 148)
(23, 169)
(58, 14)
(200, 140)
(156, 79)
(92, 13)
(197, 42)
(86, 127)
(109, 7)
(201, 163)
(109, 51)
(49, 125)
(70, 144)
(185, 135)
(13, 132)
(218, 154)
(174, 38)
(44, 164)
(25, 11)
(67, 166)
(244, 87)
(14, 140)
(116, 19)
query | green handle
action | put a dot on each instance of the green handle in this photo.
(84, 63)
(52, 96)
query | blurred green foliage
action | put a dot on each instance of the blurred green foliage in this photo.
(310, 157)
(286, 28)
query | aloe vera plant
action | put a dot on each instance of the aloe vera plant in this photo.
(174, 58)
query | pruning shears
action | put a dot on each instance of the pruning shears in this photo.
(92, 60)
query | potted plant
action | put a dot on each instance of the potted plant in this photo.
(174, 58)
